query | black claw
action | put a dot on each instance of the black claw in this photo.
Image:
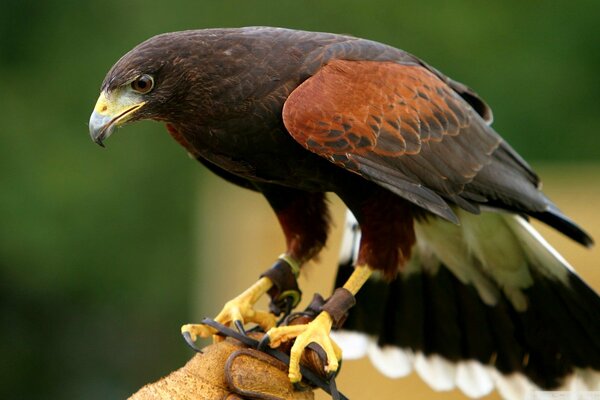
(240, 327)
(264, 343)
(188, 339)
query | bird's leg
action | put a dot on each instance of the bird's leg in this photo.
(305, 220)
(279, 281)
(317, 331)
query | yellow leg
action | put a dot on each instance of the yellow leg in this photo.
(316, 331)
(358, 278)
(240, 309)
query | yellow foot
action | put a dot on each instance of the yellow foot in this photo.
(237, 311)
(317, 331)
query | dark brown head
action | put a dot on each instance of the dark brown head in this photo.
(149, 82)
(194, 78)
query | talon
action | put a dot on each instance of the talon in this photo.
(190, 339)
(316, 332)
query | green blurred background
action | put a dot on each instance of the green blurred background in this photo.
(99, 248)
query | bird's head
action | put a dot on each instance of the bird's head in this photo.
(145, 83)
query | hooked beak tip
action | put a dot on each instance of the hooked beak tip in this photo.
(100, 128)
(99, 142)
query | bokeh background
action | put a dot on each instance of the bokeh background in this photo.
(104, 253)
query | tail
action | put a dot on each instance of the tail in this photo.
(488, 304)
(553, 217)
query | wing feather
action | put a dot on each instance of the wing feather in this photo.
(420, 135)
(398, 125)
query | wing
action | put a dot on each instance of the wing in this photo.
(485, 304)
(398, 125)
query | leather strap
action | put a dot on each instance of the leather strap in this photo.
(338, 305)
(285, 293)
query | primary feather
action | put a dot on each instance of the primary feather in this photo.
(495, 306)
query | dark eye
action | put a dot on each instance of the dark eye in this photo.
(143, 84)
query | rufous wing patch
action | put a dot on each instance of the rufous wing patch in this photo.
(398, 125)
(367, 106)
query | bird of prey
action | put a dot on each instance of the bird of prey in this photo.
(455, 281)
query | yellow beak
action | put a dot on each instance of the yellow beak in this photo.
(111, 110)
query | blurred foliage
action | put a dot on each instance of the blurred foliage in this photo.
(97, 246)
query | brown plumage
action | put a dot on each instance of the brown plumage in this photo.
(296, 114)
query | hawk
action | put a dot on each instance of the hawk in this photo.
(447, 274)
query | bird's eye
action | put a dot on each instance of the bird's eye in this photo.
(143, 84)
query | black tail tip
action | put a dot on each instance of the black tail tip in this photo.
(556, 219)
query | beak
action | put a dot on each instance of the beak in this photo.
(111, 110)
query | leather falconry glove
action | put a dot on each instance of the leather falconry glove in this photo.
(226, 371)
